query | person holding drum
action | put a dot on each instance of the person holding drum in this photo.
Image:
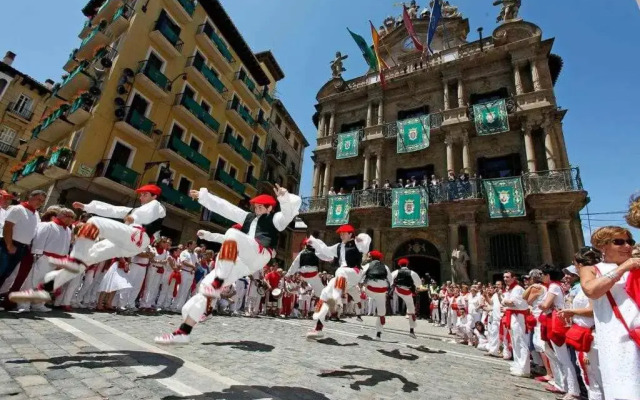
(242, 253)
(347, 258)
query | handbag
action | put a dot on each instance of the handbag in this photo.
(580, 338)
(558, 330)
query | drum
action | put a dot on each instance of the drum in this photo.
(276, 293)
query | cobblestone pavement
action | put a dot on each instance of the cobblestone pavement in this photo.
(107, 356)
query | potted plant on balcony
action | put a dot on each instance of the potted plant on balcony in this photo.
(16, 171)
(61, 157)
(103, 24)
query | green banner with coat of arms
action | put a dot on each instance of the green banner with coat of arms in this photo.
(338, 209)
(491, 117)
(413, 134)
(347, 145)
(409, 208)
(505, 197)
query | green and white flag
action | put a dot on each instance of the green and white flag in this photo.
(338, 210)
(413, 134)
(348, 145)
(409, 208)
(491, 117)
(505, 197)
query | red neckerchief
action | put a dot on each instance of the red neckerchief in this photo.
(514, 284)
(550, 282)
(57, 221)
(160, 250)
(28, 206)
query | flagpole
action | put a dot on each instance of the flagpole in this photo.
(390, 56)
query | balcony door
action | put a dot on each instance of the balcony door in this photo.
(347, 183)
(500, 167)
(154, 62)
(138, 108)
(413, 113)
(184, 186)
(119, 156)
(419, 173)
(23, 105)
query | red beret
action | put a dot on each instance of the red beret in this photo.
(346, 229)
(153, 189)
(265, 200)
(237, 226)
(403, 261)
(376, 255)
(305, 241)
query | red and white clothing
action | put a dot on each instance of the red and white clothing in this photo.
(153, 278)
(377, 290)
(115, 279)
(307, 272)
(495, 318)
(619, 355)
(169, 283)
(406, 294)
(514, 320)
(588, 362)
(137, 271)
(187, 273)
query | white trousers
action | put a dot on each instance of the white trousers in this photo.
(435, 316)
(184, 290)
(241, 291)
(520, 346)
(346, 278)
(127, 297)
(69, 291)
(452, 319)
(35, 277)
(120, 240)
(316, 284)
(590, 371)
(166, 290)
(379, 301)
(304, 305)
(470, 324)
(411, 307)
(567, 379)
(152, 283)
(493, 346)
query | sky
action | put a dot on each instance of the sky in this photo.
(598, 41)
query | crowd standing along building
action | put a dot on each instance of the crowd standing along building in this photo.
(164, 91)
(492, 159)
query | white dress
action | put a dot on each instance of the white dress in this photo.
(619, 355)
(114, 279)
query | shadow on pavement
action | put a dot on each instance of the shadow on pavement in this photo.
(116, 358)
(333, 342)
(374, 377)
(35, 316)
(427, 350)
(257, 392)
(245, 345)
(370, 339)
(398, 356)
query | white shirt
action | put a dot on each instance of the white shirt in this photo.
(327, 253)
(143, 215)
(377, 283)
(139, 260)
(475, 303)
(25, 223)
(582, 301)
(496, 314)
(515, 295)
(414, 276)
(51, 238)
(190, 257)
(159, 259)
(3, 216)
(558, 299)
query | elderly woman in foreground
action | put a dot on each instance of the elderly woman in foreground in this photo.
(616, 311)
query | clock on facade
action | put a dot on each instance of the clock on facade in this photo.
(408, 45)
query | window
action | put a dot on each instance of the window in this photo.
(296, 145)
(198, 60)
(205, 106)
(235, 102)
(242, 74)
(165, 19)
(184, 186)
(23, 104)
(233, 172)
(287, 133)
(3, 85)
(255, 143)
(154, 62)
(278, 121)
(240, 139)
(413, 113)
(177, 131)
(479, 98)
(195, 144)
(500, 167)
(354, 126)
(220, 166)
(508, 251)
(249, 173)
(7, 135)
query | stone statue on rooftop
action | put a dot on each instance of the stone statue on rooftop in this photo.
(412, 10)
(449, 11)
(509, 9)
(336, 65)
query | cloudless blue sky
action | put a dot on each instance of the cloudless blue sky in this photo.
(598, 41)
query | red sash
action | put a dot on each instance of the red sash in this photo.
(404, 292)
(377, 289)
(308, 275)
(505, 324)
(178, 278)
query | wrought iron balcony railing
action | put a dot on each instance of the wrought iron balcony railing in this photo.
(23, 112)
(561, 180)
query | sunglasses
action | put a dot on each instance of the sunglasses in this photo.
(621, 242)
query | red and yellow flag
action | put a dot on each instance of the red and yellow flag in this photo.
(376, 49)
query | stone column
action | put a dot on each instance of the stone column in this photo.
(535, 75)
(332, 123)
(566, 241)
(517, 78)
(529, 149)
(365, 182)
(380, 113)
(316, 180)
(369, 114)
(446, 94)
(53, 196)
(449, 142)
(377, 241)
(379, 168)
(327, 178)
(549, 147)
(475, 271)
(461, 102)
(321, 126)
(544, 243)
(465, 155)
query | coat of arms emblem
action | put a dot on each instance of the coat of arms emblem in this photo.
(347, 144)
(413, 134)
(338, 209)
(491, 117)
(504, 197)
(409, 207)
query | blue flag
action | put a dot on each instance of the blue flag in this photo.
(436, 14)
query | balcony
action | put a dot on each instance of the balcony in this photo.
(228, 181)
(253, 181)
(241, 117)
(97, 39)
(59, 164)
(136, 124)
(116, 176)
(236, 146)
(182, 9)
(276, 155)
(266, 96)
(152, 79)
(31, 176)
(257, 150)
(107, 10)
(181, 202)
(558, 181)
(8, 150)
(215, 47)
(54, 127)
(80, 110)
(213, 218)
(293, 173)
(86, 28)
(531, 100)
(167, 39)
(263, 124)
(71, 63)
(120, 21)
(181, 152)
(24, 113)
(206, 78)
(77, 81)
(194, 112)
(248, 90)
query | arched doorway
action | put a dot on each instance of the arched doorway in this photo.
(423, 256)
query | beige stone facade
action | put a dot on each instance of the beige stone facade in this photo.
(515, 64)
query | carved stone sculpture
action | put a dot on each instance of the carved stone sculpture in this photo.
(509, 9)
(336, 65)
(459, 261)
